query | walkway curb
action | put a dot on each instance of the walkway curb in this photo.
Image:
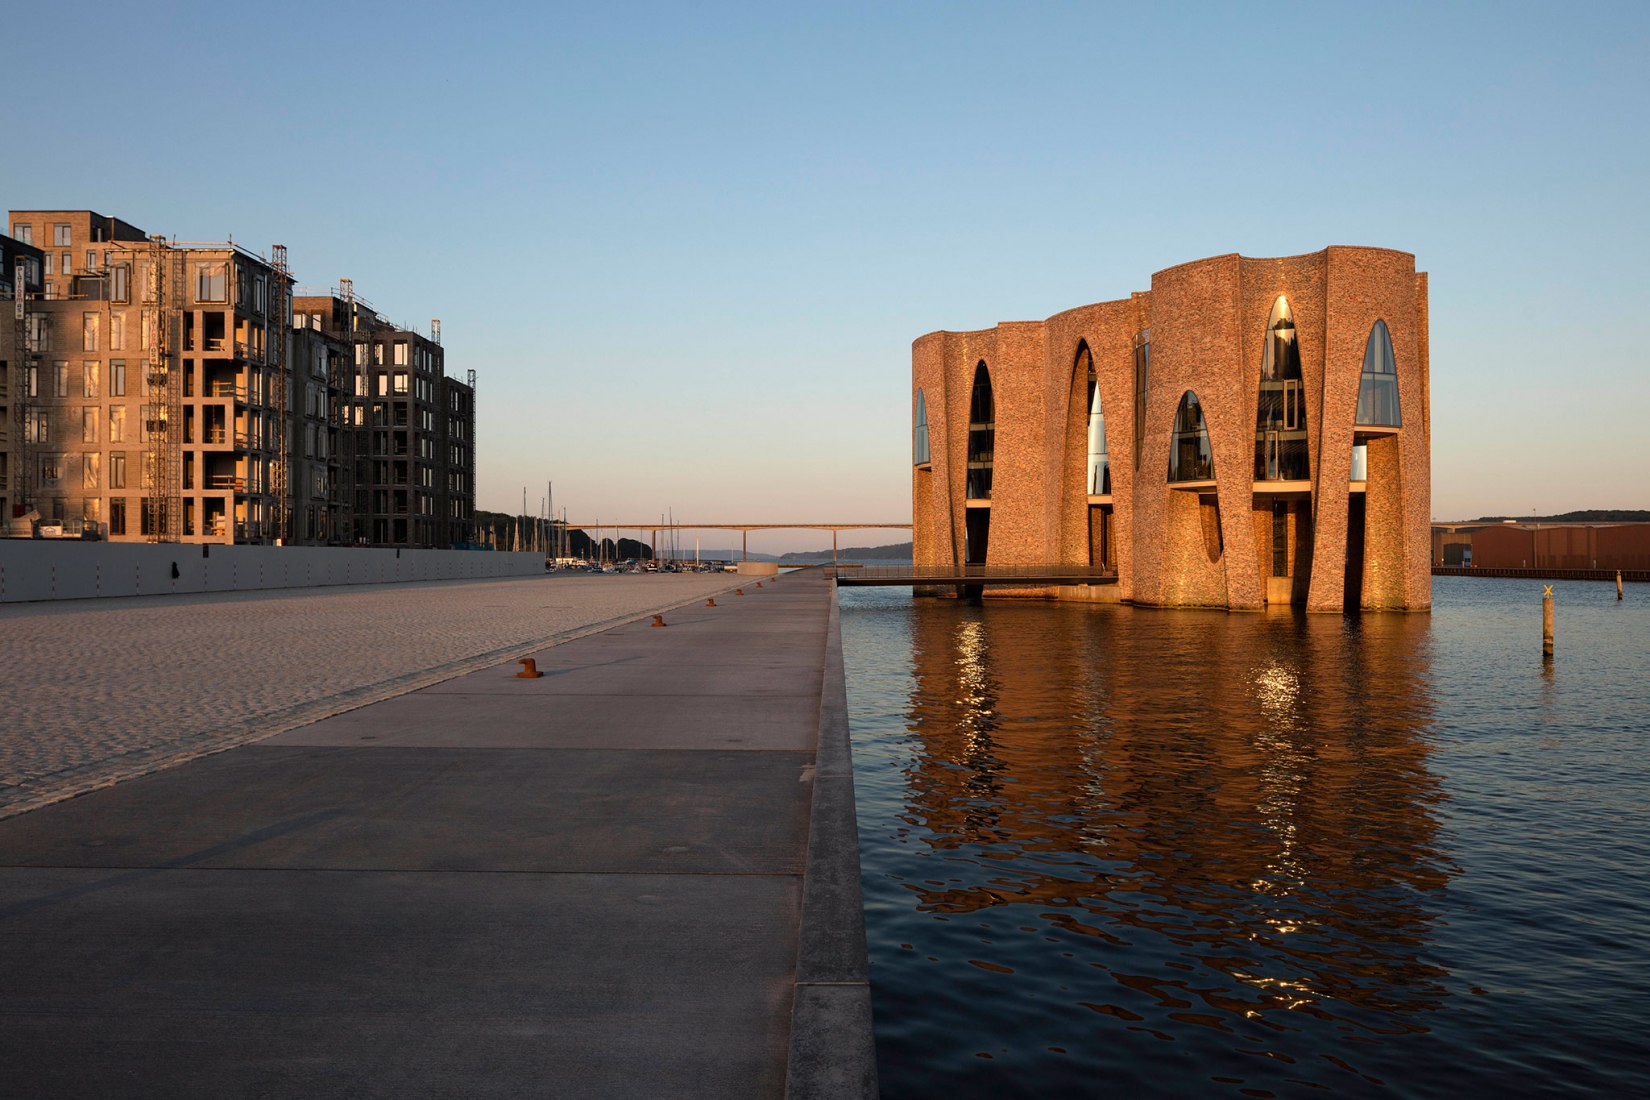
(832, 1047)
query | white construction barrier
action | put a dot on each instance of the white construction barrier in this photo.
(48, 569)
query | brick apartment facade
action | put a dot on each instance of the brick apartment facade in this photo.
(158, 391)
(1247, 432)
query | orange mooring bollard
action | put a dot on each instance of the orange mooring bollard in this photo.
(711, 602)
(738, 591)
(529, 669)
(759, 584)
(1618, 584)
(659, 620)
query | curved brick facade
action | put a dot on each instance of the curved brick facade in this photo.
(1237, 543)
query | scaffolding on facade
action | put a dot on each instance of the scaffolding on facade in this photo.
(163, 411)
(24, 375)
(278, 306)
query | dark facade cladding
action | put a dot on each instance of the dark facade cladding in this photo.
(1248, 432)
(158, 391)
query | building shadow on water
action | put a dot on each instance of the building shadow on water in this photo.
(1231, 817)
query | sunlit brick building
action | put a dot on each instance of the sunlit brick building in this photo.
(1245, 433)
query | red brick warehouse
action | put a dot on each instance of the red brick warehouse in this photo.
(1248, 432)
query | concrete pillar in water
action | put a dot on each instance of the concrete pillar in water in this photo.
(1547, 621)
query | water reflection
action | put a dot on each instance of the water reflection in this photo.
(1202, 828)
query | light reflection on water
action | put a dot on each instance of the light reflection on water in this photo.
(1154, 853)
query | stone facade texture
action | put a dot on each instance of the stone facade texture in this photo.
(1217, 543)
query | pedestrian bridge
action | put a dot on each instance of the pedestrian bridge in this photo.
(968, 576)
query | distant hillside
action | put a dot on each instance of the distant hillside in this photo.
(1588, 515)
(899, 551)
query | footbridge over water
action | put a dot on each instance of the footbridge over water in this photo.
(744, 529)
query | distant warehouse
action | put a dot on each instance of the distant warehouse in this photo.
(1540, 545)
(1246, 433)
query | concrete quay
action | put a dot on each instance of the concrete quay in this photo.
(637, 875)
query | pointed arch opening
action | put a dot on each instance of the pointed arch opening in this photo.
(919, 434)
(982, 435)
(1098, 479)
(1281, 451)
(1378, 387)
(1142, 379)
(1097, 465)
(1191, 458)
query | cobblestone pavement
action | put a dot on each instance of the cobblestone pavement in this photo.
(97, 691)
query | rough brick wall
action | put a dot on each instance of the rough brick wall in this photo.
(1208, 320)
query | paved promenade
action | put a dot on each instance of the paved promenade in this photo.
(102, 690)
(634, 876)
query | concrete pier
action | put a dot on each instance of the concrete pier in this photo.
(634, 876)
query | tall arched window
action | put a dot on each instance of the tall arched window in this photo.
(1280, 412)
(919, 434)
(1378, 388)
(982, 435)
(1099, 468)
(1142, 376)
(1190, 456)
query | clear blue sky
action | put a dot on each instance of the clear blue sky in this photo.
(686, 247)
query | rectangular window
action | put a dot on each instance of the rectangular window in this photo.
(1291, 405)
(117, 515)
(24, 233)
(90, 328)
(89, 375)
(60, 235)
(211, 283)
(88, 424)
(117, 470)
(117, 332)
(120, 283)
(51, 268)
(39, 334)
(117, 423)
(60, 379)
(91, 467)
(400, 382)
(400, 354)
(91, 260)
(33, 384)
(51, 471)
(146, 331)
(91, 511)
(378, 355)
(258, 294)
(38, 428)
(117, 378)
(68, 264)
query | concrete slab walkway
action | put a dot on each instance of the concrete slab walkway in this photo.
(634, 876)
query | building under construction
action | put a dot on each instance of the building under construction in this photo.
(161, 391)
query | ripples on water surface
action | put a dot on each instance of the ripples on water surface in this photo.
(1118, 851)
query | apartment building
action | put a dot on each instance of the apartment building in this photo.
(165, 391)
(412, 427)
(155, 386)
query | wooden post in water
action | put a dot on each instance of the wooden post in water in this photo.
(1618, 584)
(1547, 620)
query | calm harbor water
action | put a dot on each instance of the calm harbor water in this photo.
(1130, 852)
